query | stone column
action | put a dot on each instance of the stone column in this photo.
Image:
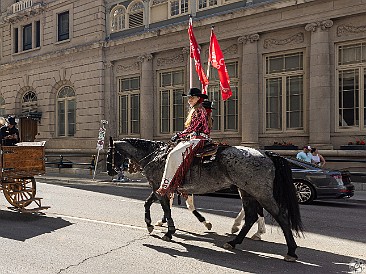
(249, 90)
(110, 101)
(320, 85)
(147, 97)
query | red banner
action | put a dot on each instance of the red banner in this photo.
(196, 55)
(216, 58)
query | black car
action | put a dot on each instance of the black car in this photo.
(312, 182)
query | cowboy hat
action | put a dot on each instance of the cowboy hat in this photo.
(196, 92)
(11, 121)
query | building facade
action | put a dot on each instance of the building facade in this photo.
(297, 69)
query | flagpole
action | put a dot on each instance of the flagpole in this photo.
(209, 61)
(190, 59)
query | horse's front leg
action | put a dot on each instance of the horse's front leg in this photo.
(192, 208)
(149, 201)
(165, 204)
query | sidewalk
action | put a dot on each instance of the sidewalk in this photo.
(135, 181)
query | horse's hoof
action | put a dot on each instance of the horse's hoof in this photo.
(256, 237)
(289, 258)
(159, 223)
(208, 225)
(234, 229)
(166, 238)
(228, 246)
(150, 228)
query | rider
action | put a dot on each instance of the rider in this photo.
(208, 107)
(197, 130)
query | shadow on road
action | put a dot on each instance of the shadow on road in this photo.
(20, 226)
(251, 256)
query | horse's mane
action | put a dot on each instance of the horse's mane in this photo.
(144, 144)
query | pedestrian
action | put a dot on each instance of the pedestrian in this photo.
(317, 158)
(9, 134)
(197, 130)
(305, 154)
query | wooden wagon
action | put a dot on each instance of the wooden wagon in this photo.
(19, 164)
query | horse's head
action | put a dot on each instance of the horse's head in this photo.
(138, 150)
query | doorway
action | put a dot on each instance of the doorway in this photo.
(28, 129)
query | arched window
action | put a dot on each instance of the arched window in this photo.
(136, 15)
(66, 112)
(118, 18)
(2, 106)
(29, 102)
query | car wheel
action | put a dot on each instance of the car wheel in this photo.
(305, 192)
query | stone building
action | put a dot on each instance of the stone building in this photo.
(297, 69)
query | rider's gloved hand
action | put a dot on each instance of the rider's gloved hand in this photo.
(174, 138)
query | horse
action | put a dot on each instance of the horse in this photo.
(263, 179)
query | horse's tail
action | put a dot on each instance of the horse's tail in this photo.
(284, 191)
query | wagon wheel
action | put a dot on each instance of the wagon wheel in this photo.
(20, 192)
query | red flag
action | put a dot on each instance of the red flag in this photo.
(216, 58)
(196, 55)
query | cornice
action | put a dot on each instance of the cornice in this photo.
(52, 55)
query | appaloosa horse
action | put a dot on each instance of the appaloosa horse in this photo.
(263, 179)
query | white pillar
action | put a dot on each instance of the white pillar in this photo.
(320, 85)
(249, 90)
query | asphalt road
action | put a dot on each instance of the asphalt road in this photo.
(100, 229)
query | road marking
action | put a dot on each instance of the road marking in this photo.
(98, 221)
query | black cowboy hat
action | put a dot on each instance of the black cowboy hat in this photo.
(207, 104)
(196, 92)
(11, 121)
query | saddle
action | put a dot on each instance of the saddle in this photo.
(208, 153)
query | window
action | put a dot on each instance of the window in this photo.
(178, 7)
(118, 18)
(172, 113)
(226, 113)
(16, 40)
(66, 112)
(38, 33)
(351, 86)
(136, 15)
(2, 107)
(30, 36)
(27, 37)
(129, 106)
(63, 26)
(284, 90)
(29, 102)
(202, 4)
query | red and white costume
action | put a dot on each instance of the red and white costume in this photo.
(197, 131)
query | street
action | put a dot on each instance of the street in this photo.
(99, 228)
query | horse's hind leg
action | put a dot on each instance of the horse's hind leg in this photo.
(165, 204)
(237, 221)
(261, 225)
(152, 198)
(282, 220)
(191, 207)
(250, 206)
